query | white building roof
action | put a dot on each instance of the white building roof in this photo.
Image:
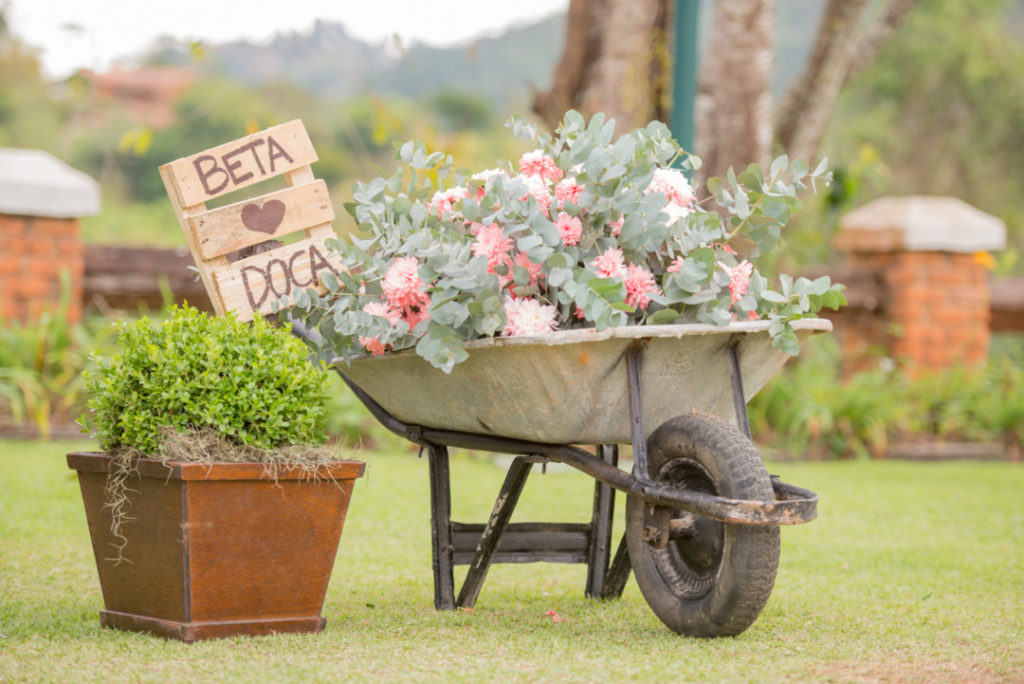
(35, 183)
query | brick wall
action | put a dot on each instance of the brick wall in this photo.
(932, 307)
(935, 310)
(36, 250)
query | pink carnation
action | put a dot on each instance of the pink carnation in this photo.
(674, 185)
(490, 242)
(676, 265)
(527, 316)
(402, 285)
(444, 201)
(567, 190)
(536, 163)
(676, 188)
(610, 264)
(414, 315)
(739, 280)
(534, 270)
(570, 228)
(373, 345)
(639, 284)
(381, 309)
(485, 177)
(538, 190)
(616, 227)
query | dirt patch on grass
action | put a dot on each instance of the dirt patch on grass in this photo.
(920, 670)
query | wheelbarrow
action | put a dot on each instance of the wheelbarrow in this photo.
(702, 513)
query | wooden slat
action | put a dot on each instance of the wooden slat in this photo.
(181, 211)
(240, 163)
(254, 284)
(249, 222)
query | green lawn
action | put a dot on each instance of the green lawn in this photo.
(913, 572)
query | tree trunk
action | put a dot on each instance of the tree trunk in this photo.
(618, 54)
(733, 109)
(617, 60)
(844, 45)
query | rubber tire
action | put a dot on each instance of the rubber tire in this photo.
(716, 583)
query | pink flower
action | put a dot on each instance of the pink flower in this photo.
(676, 265)
(485, 177)
(522, 260)
(402, 285)
(570, 228)
(414, 315)
(373, 345)
(616, 227)
(536, 163)
(490, 242)
(381, 309)
(528, 316)
(567, 190)
(639, 284)
(610, 264)
(538, 190)
(674, 185)
(676, 188)
(444, 201)
(674, 212)
(739, 280)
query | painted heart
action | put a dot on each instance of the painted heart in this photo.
(263, 219)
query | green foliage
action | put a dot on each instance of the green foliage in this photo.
(41, 367)
(944, 105)
(460, 111)
(477, 251)
(809, 409)
(251, 383)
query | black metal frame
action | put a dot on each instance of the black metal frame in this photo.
(499, 541)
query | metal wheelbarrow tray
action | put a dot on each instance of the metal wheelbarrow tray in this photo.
(702, 514)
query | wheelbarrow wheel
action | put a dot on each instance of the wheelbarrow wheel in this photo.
(713, 578)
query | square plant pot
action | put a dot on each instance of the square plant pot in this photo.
(216, 550)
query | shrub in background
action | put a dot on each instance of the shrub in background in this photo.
(809, 410)
(41, 365)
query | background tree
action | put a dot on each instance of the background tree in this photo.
(616, 60)
(617, 57)
(733, 111)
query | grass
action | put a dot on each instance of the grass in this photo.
(913, 572)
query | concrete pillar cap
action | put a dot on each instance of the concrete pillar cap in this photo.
(35, 183)
(919, 224)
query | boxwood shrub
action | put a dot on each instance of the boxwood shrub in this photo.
(249, 382)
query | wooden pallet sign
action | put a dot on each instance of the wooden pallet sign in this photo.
(249, 286)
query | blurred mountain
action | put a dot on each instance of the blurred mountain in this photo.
(330, 63)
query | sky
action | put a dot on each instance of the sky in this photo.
(73, 34)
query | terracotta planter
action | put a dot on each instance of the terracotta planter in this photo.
(217, 550)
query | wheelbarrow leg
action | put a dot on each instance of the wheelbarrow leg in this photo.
(618, 573)
(490, 538)
(441, 528)
(601, 526)
(739, 402)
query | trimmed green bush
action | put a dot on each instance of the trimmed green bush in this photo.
(249, 382)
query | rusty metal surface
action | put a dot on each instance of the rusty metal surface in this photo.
(570, 387)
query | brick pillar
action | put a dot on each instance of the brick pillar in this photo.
(927, 253)
(41, 200)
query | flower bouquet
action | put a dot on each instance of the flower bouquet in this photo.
(586, 231)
